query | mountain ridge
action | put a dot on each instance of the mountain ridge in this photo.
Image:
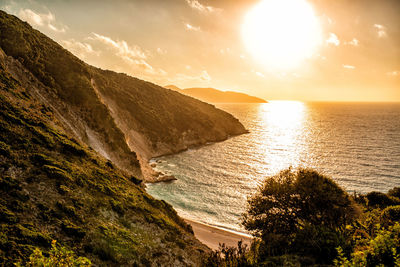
(212, 95)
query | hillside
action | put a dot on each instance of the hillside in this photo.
(72, 140)
(55, 188)
(211, 95)
(125, 119)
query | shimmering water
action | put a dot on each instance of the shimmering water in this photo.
(358, 144)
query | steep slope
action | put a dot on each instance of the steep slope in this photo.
(115, 114)
(165, 121)
(54, 188)
(60, 80)
(211, 95)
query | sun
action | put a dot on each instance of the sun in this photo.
(281, 34)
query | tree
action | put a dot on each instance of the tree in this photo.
(295, 202)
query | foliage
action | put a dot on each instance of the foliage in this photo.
(381, 200)
(394, 192)
(58, 256)
(66, 77)
(229, 256)
(381, 250)
(301, 211)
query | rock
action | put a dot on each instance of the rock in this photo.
(166, 178)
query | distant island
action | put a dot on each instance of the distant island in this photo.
(212, 95)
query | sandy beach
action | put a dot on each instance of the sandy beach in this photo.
(212, 236)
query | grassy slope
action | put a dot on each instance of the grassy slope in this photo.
(67, 79)
(168, 121)
(52, 187)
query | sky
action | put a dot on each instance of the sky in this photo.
(201, 43)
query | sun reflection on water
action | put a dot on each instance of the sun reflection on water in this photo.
(283, 134)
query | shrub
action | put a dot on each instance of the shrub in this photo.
(228, 256)
(382, 250)
(293, 204)
(390, 215)
(58, 256)
(379, 199)
(394, 192)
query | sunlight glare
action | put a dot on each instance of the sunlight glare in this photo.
(284, 125)
(281, 34)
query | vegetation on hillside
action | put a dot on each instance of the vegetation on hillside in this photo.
(163, 121)
(169, 121)
(54, 188)
(302, 218)
(67, 80)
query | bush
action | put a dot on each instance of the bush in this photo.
(390, 215)
(394, 192)
(379, 199)
(58, 256)
(228, 256)
(382, 250)
(294, 204)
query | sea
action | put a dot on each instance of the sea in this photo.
(357, 144)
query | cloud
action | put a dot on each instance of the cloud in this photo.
(121, 47)
(40, 19)
(79, 49)
(224, 51)
(257, 73)
(353, 42)
(381, 30)
(161, 51)
(191, 27)
(205, 76)
(350, 67)
(393, 73)
(202, 77)
(132, 55)
(333, 39)
(195, 4)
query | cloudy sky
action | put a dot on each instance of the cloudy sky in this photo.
(200, 43)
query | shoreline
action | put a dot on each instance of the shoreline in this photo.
(151, 175)
(212, 236)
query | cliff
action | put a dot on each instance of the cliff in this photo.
(125, 119)
(53, 187)
(211, 95)
(72, 141)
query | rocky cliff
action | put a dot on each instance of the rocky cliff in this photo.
(125, 119)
